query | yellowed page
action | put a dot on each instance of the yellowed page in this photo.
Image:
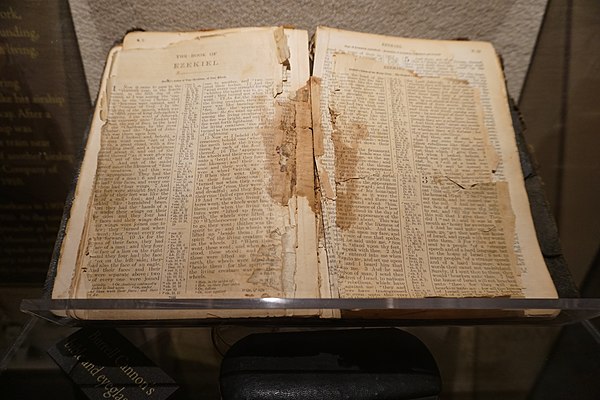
(67, 265)
(185, 201)
(469, 67)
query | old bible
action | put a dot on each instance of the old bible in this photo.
(216, 166)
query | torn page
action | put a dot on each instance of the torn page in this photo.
(416, 213)
(473, 62)
(182, 201)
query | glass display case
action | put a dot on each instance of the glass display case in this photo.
(484, 347)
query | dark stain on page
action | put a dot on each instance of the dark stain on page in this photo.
(305, 163)
(280, 149)
(346, 144)
(289, 150)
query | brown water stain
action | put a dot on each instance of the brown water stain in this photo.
(346, 144)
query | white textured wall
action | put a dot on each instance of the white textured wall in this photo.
(511, 25)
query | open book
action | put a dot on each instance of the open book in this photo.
(217, 167)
